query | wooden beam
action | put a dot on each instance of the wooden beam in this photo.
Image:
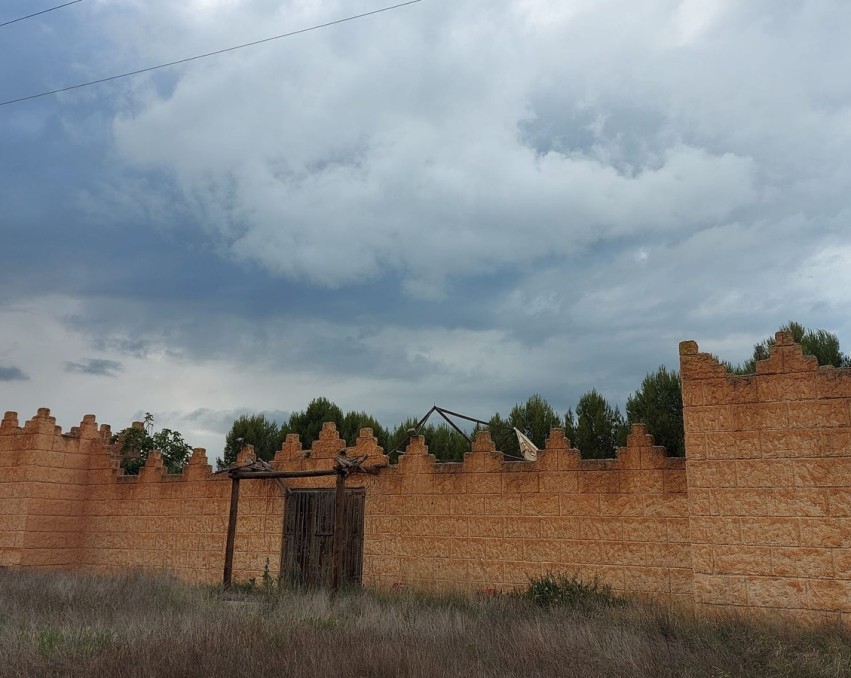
(281, 474)
(234, 507)
(339, 532)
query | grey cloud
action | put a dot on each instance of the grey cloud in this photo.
(12, 374)
(94, 366)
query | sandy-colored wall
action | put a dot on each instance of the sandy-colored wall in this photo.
(757, 519)
(482, 524)
(769, 484)
(487, 523)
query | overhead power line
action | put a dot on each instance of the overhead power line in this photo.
(208, 54)
(44, 11)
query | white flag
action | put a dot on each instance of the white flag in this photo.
(527, 447)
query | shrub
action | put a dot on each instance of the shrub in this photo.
(553, 589)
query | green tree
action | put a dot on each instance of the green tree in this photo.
(658, 403)
(443, 441)
(135, 444)
(264, 434)
(308, 424)
(352, 424)
(596, 429)
(503, 437)
(822, 344)
(534, 418)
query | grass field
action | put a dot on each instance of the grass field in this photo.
(75, 625)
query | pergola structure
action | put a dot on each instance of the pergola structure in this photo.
(260, 470)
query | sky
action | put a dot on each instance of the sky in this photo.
(462, 203)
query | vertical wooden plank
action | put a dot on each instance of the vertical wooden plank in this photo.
(234, 507)
(339, 531)
(286, 531)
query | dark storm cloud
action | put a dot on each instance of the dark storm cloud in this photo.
(460, 203)
(12, 374)
(95, 366)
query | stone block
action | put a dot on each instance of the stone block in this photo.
(601, 529)
(819, 414)
(741, 502)
(826, 532)
(674, 481)
(579, 505)
(599, 482)
(828, 594)
(712, 473)
(786, 387)
(744, 560)
(560, 527)
(710, 418)
(720, 590)
(770, 531)
(642, 482)
(835, 442)
(678, 529)
(559, 482)
(733, 445)
(682, 581)
(525, 528)
(484, 483)
(695, 445)
(540, 505)
(668, 555)
(541, 550)
(621, 505)
(802, 562)
(647, 579)
(473, 505)
(623, 553)
(764, 473)
(487, 526)
(790, 443)
(833, 383)
(839, 501)
(453, 526)
(668, 505)
(519, 482)
(776, 592)
(833, 472)
(802, 502)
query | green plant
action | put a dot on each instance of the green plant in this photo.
(137, 442)
(558, 589)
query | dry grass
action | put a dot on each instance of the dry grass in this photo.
(74, 625)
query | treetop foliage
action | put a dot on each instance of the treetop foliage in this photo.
(658, 404)
(135, 444)
(822, 344)
(594, 427)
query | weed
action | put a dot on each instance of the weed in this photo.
(553, 589)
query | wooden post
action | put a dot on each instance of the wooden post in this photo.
(339, 532)
(234, 505)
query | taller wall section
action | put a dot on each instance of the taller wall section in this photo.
(43, 489)
(769, 484)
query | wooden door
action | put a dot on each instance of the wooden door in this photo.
(307, 557)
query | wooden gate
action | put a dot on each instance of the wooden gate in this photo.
(307, 552)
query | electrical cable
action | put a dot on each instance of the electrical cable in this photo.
(44, 11)
(208, 54)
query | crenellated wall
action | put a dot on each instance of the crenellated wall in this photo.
(483, 523)
(757, 519)
(769, 484)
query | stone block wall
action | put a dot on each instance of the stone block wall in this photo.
(756, 520)
(769, 484)
(481, 524)
(486, 523)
